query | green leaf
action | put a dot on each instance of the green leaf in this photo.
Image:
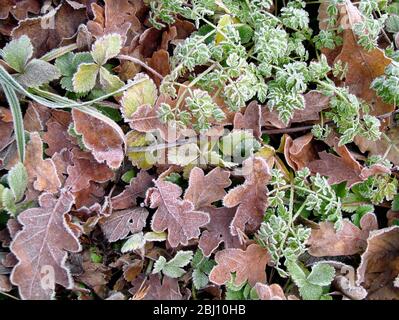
(159, 265)
(109, 82)
(85, 78)
(200, 279)
(18, 52)
(18, 181)
(68, 65)
(322, 274)
(142, 93)
(128, 176)
(392, 23)
(310, 291)
(135, 242)
(181, 259)
(8, 201)
(395, 203)
(155, 236)
(296, 272)
(106, 48)
(38, 72)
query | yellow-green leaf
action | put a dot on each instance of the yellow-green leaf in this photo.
(106, 48)
(109, 82)
(85, 78)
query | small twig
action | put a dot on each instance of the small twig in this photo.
(141, 63)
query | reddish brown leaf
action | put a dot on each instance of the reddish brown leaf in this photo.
(35, 117)
(109, 148)
(168, 289)
(89, 196)
(159, 61)
(118, 225)
(248, 265)
(84, 170)
(251, 119)
(218, 230)
(47, 33)
(146, 119)
(299, 152)
(42, 173)
(272, 292)
(348, 240)
(174, 214)
(6, 131)
(380, 265)
(19, 9)
(204, 190)
(137, 188)
(41, 248)
(250, 197)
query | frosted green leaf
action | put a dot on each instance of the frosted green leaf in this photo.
(109, 82)
(1, 195)
(172, 271)
(18, 181)
(38, 72)
(310, 291)
(8, 201)
(144, 92)
(18, 52)
(135, 242)
(68, 64)
(155, 236)
(159, 264)
(322, 274)
(181, 259)
(106, 48)
(85, 78)
(200, 279)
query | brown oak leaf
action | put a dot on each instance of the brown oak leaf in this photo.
(41, 248)
(118, 225)
(250, 197)
(218, 230)
(380, 265)
(269, 292)
(36, 116)
(347, 240)
(203, 190)
(42, 173)
(109, 148)
(176, 215)
(251, 119)
(47, 32)
(363, 66)
(18, 8)
(249, 265)
(137, 188)
(84, 170)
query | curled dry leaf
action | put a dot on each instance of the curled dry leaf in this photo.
(379, 265)
(248, 265)
(42, 173)
(347, 240)
(250, 119)
(118, 225)
(203, 190)
(167, 289)
(218, 230)
(109, 148)
(250, 197)
(19, 9)
(272, 292)
(173, 214)
(85, 169)
(36, 116)
(41, 248)
(299, 152)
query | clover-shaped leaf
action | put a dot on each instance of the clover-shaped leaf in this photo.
(174, 267)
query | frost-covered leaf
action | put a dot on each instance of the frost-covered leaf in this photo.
(173, 214)
(18, 181)
(269, 292)
(17, 53)
(347, 240)
(174, 267)
(118, 225)
(142, 93)
(109, 82)
(250, 197)
(85, 77)
(250, 120)
(248, 265)
(42, 173)
(203, 190)
(106, 48)
(322, 274)
(109, 148)
(42, 246)
(37, 73)
(134, 242)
